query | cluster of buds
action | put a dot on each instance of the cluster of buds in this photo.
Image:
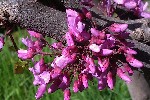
(138, 6)
(88, 53)
(34, 47)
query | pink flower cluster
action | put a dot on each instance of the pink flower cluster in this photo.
(89, 53)
(138, 6)
(34, 47)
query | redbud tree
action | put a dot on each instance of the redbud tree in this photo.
(87, 50)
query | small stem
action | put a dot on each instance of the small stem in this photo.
(13, 41)
(10, 29)
(45, 53)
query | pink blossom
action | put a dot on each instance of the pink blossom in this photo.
(69, 38)
(67, 94)
(65, 82)
(110, 80)
(94, 32)
(35, 34)
(26, 54)
(40, 66)
(133, 62)
(102, 81)
(42, 78)
(45, 77)
(57, 45)
(119, 1)
(63, 60)
(94, 48)
(130, 51)
(122, 75)
(89, 53)
(55, 72)
(127, 69)
(145, 14)
(38, 45)
(106, 52)
(118, 27)
(1, 42)
(130, 4)
(41, 90)
(75, 86)
(103, 64)
(28, 42)
(91, 64)
(85, 80)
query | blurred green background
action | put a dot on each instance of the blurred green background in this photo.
(19, 86)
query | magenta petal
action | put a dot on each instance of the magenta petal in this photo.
(80, 26)
(40, 66)
(94, 48)
(37, 80)
(130, 51)
(64, 83)
(22, 53)
(94, 32)
(26, 54)
(45, 76)
(85, 81)
(118, 27)
(55, 72)
(145, 6)
(91, 64)
(28, 42)
(1, 42)
(119, 1)
(35, 34)
(37, 68)
(106, 52)
(133, 62)
(70, 41)
(71, 13)
(57, 45)
(122, 75)
(75, 86)
(61, 61)
(136, 63)
(67, 94)
(127, 68)
(145, 14)
(102, 83)
(110, 80)
(105, 65)
(1, 45)
(130, 4)
(41, 90)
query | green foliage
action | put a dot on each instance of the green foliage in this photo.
(19, 86)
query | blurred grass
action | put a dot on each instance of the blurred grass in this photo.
(20, 87)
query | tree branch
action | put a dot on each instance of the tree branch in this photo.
(46, 20)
